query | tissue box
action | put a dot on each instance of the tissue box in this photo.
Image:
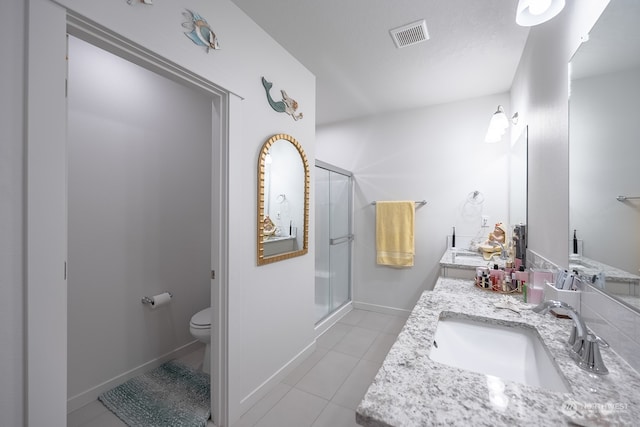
(569, 297)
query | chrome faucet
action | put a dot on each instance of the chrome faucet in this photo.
(503, 252)
(585, 348)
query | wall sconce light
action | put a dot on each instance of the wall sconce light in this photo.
(534, 12)
(498, 125)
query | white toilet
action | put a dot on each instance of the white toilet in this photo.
(200, 328)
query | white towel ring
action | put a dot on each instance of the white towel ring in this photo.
(475, 198)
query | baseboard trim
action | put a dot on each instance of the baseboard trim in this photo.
(88, 396)
(259, 392)
(381, 309)
(331, 320)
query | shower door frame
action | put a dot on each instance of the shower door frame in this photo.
(349, 238)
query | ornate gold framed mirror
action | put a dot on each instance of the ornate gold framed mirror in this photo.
(283, 200)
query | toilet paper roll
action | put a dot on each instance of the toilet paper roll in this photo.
(160, 300)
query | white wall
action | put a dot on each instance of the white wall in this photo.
(539, 93)
(139, 209)
(437, 154)
(11, 212)
(604, 164)
(271, 320)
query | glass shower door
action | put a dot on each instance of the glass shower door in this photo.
(333, 239)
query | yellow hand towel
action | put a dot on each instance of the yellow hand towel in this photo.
(395, 233)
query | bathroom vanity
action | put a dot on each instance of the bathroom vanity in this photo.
(461, 263)
(411, 389)
(622, 284)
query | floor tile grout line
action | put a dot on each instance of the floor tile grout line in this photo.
(321, 411)
(272, 406)
(283, 396)
(360, 359)
(343, 383)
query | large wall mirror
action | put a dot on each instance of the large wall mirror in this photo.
(604, 152)
(283, 200)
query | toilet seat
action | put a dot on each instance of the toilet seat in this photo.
(202, 319)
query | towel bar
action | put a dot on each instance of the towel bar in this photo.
(623, 198)
(418, 202)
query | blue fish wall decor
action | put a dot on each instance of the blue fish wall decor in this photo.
(199, 31)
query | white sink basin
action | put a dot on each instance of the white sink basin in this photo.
(466, 253)
(512, 353)
(476, 257)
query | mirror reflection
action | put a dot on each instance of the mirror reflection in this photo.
(518, 192)
(604, 154)
(518, 178)
(283, 200)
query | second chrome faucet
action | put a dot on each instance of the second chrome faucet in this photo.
(585, 346)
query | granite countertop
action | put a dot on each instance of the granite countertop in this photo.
(591, 267)
(412, 390)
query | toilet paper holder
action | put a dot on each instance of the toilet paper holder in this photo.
(151, 301)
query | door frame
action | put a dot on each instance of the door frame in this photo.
(46, 206)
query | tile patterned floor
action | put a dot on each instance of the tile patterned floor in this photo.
(323, 391)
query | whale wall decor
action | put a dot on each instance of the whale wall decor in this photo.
(287, 105)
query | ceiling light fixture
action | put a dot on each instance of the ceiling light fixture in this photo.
(498, 125)
(534, 12)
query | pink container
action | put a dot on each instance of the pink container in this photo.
(522, 276)
(535, 295)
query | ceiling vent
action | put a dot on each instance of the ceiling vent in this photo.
(410, 34)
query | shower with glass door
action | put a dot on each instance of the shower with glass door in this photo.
(333, 239)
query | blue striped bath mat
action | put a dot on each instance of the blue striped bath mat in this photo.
(171, 395)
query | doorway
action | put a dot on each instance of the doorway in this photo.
(139, 217)
(47, 217)
(334, 236)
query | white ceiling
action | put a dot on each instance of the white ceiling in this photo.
(474, 50)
